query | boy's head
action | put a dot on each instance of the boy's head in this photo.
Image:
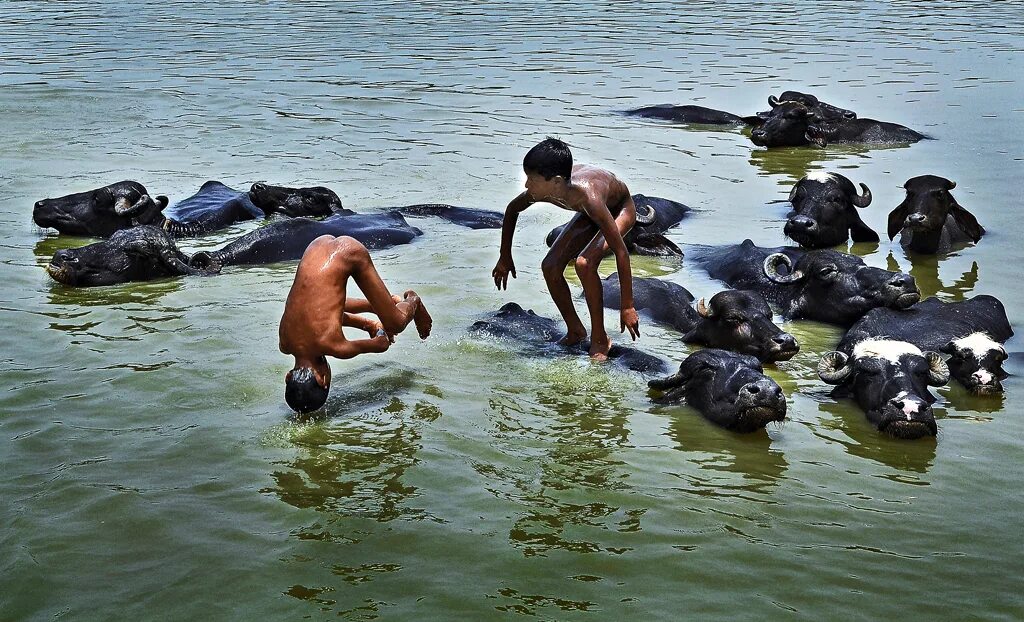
(549, 158)
(306, 389)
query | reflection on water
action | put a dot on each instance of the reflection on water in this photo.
(790, 164)
(847, 425)
(925, 270)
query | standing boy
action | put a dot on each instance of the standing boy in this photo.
(604, 213)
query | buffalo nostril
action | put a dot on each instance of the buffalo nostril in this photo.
(915, 219)
(758, 133)
(38, 205)
(786, 340)
(753, 389)
(258, 187)
(849, 115)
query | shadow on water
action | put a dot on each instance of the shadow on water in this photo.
(715, 450)
(847, 425)
(792, 163)
(925, 270)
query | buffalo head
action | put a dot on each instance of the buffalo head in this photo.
(825, 211)
(741, 321)
(102, 211)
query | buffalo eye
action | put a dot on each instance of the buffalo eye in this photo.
(828, 272)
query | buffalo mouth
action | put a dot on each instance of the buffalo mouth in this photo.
(908, 430)
(987, 388)
(782, 353)
(757, 417)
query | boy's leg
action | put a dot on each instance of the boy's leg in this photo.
(393, 316)
(574, 238)
(586, 268)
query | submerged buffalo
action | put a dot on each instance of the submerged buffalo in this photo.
(539, 335)
(970, 332)
(217, 206)
(462, 216)
(823, 285)
(729, 389)
(101, 212)
(654, 216)
(732, 320)
(146, 252)
(792, 124)
(889, 380)
(141, 253)
(930, 219)
(825, 211)
(286, 239)
(710, 116)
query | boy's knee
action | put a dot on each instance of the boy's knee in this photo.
(552, 266)
(356, 252)
(585, 265)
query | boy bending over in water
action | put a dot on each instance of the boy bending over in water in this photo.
(605, 213)
(317, 309)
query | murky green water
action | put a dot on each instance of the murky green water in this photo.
(148, 466)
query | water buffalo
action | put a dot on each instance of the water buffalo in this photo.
(538, 335)
(823, 285)
(889, 380)
(140, 253)
(930, 219)
(101, 212)
(313, 202)
(792, 124)
(287, 238)
(463, 216)
(654, 216)
(731, 320)
(825, 211)
(729, 389)
(710, 116)
(971, 332)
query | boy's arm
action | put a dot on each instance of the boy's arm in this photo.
(599, 213)
(361, 322)
(505, 264)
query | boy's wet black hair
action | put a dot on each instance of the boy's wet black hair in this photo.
(302, 392)
(549, 157)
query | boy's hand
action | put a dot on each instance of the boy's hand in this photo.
(376, 329)
(629, 319)
(380, 342)
(501, 271)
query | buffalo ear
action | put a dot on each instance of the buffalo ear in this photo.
(162, 202)
(897, 217)
(967, 222)
(860, 232)
(949, 348)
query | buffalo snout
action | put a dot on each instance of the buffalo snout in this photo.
(784, 347)
(909, 417)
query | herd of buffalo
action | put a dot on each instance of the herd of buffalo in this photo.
(890, 355)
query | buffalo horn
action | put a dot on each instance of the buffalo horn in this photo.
(862, 200)
(938, 371)
(834, 367)
(771, 269)
(703, 309)
(773, 101)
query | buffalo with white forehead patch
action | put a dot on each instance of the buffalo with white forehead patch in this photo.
(825, 211)
(889, 380)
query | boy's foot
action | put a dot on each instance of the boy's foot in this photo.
(572, 338)
(421, 318)
(599, 350)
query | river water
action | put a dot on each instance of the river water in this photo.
(149, 468)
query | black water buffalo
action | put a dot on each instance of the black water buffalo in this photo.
(729, 389)
(825, 211)
(731, 320)
(654, 216)
(463, 216)
(313, 202)
(101, 212)
(792, 124)
(930, 219)
(287, 238)
(971, 332)
(539, 335)
(709, 116)
(140, 253)
(823, 285)
(889, 380)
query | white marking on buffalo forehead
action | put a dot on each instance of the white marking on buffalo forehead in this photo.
(978, 343)
(888, 349)
(820, 176)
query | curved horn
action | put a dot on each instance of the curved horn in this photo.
(834, 367)
(862, 200)
(664, 384)
(182, 229)
(938, 371)
(771, 269)
(773, 101)
(952, 184)
(794, 191)
(645, 216)
(703, 310)
(123, 208)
